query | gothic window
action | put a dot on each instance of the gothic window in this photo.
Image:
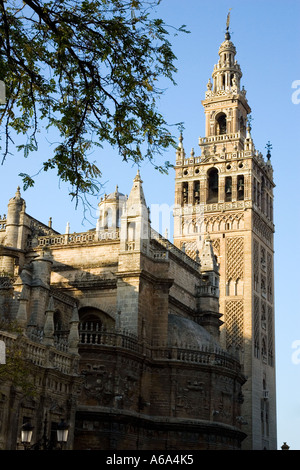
(213, 185)
(263, 316)
(263, 287)
(119, 215)
(57, 321)
(271, 210)
(258, 194)
(263, 195)
(108, 218)
(221, 124)
(228, 188)
(263, 259)
(240, 187)
(263, 348)
(93, 323)
(254, 191)
(270, 336)
(265, 418)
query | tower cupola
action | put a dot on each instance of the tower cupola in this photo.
(227, 72)
(225, 103)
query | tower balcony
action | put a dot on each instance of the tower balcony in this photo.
(214, 139)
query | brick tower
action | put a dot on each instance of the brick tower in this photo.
(227, 193)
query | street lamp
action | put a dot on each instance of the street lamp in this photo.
(62, 433)
(26, 435)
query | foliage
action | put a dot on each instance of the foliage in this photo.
(16, 371)
(89, 69)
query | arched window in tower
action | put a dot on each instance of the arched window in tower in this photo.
(108, 218)
(242, 124)
(263, 195)
(221, 124)
(57, 321)
(213, 185)
(240, 188)
(231, 79)
(119, 215)
(223, 82)
(185, 192)
(196, 192)
(263, 348)
(228, 188)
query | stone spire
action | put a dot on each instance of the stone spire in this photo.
(135, 222)
(180, 153)
(49, 324)
(136, 196)
(74, 333)
(209, 315)
(22, 309)
(207, 259)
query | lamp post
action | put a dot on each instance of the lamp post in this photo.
(26, 435)
(44, 443)
(62, 433)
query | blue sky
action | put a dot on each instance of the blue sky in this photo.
(266, 34)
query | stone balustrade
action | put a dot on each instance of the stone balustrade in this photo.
(125, 340)
(2, 223)
(45, 356)
(39, 354)
(219, 138)
(81, 238)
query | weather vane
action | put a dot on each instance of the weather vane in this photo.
(269, 148)
(228, 20)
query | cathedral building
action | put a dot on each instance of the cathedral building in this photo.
(137, 342)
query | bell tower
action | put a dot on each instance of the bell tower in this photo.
(226, 192)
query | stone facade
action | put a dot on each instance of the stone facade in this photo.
(119, 332)
(227, 192)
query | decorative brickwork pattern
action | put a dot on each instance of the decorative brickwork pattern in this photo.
(234, 319)
(262, 229)
(235, 258)
(216, 246)
(191, 249)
